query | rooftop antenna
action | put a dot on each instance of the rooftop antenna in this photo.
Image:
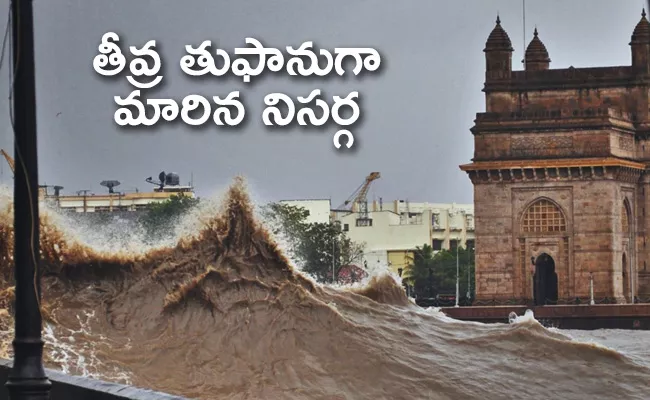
(524, 18)
(110, 185)
(161, 177)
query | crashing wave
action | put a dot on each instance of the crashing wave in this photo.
(222, 313)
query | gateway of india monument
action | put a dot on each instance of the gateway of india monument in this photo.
(561, 176)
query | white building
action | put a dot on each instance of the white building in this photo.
(451, 223)
(318, 209)
(395, 229)
(110, 202)
(388, 239)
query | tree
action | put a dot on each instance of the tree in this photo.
(160, 219)
(287, 221)
(317, 248)
(435, 274)
(419, 271)
(324, 249)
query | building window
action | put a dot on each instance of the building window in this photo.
(415, 218)
(469, 244)
(543, 216)
(437, 244)
(470, 222)
(364, 222)
(453, 243)
(436, 221)
(346, 227)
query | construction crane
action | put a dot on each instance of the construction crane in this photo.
(42, 189)
(10, 160)
(359, 196)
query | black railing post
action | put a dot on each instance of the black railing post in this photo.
(27, 379)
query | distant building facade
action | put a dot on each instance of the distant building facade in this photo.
(319, 209)
(398, 227)
(117, 202)
(560, 175)
(393, 230)
(114, 201)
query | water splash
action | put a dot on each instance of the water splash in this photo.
(222, 313)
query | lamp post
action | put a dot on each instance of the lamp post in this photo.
(333, 259)
(591, 288)
(469, 282)
(335, 231)
(457, 262)
(631, 277)
(457, 276)
(27, 379)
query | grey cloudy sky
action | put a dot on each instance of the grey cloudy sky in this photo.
(417, 112)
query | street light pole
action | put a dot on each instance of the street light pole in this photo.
(333, 259)
(591, 289)
(457, 275)
(27, 379)
(469, 265)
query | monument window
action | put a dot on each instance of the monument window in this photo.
(543, 216)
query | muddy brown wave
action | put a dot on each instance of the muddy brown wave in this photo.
(224, 315)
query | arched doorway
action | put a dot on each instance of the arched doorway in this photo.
(545, 281)
(626, 279)
(627, 269)
(544, 228)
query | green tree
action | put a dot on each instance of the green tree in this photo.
(318, 248)
(324, 249)
(160, 219)
(419, 271)
(445, 271)
(287, 221)
(432, 273)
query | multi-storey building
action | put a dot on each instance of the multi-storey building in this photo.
(391, 231)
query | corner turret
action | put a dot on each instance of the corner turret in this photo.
(498, 54)
(640, 44)
(536, 57)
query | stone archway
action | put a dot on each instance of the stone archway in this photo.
(545, 289)
(544, 235)
(627, 271)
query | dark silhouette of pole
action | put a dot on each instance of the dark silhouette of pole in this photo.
(27, 379)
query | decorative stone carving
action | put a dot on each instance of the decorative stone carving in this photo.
(543, 142)
(626, 143)
(541, 145)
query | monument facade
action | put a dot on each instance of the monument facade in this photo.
(560, 174)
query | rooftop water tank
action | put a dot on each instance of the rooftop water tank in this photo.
(172, 179)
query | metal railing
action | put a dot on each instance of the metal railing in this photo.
(527, 301)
